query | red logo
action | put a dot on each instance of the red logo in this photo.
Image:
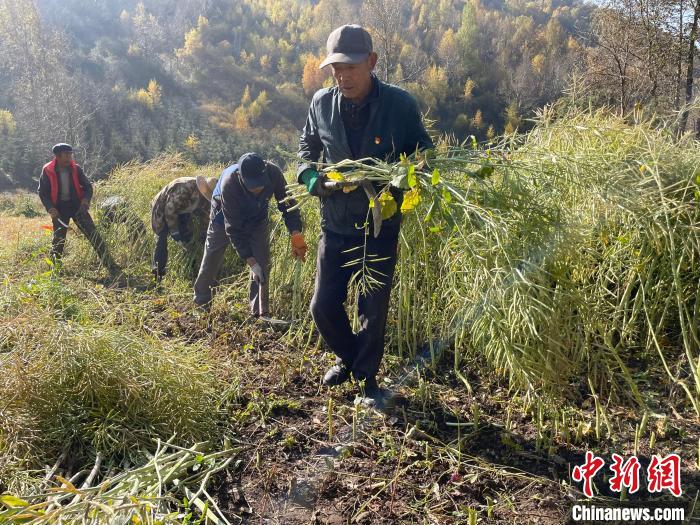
(626, 474)
(665, 474)
(662, 473)
(587, 472)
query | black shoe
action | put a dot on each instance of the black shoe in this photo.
(372, 396)
(202, 308)
(336, 375)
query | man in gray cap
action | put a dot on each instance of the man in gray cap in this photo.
(239, 216)
(66, 193)
(360, 117)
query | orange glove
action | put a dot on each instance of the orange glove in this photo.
(299, 246)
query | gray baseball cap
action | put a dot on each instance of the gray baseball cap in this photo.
(348, 44)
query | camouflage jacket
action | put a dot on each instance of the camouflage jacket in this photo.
(178, 197)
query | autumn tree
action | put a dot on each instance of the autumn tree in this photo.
(384, 19)
(313, 76)
(631, 57)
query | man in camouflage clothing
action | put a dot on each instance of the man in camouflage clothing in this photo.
(172, 210)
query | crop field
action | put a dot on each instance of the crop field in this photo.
(546, 303)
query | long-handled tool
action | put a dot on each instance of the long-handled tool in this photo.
(371, 193)
(275, 324)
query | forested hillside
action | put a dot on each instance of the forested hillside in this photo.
(213, 78)
(538, 353)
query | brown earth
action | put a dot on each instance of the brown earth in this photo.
(438, 452)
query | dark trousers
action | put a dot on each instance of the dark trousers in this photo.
(160, 254)
(259, 296)
(84, 222)
(213, 260)
(362, 351)
(159, 262)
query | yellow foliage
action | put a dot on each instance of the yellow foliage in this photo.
(491, 133)
(513, 119)
(469, 86)
(313, 77)
(247, 58)
(240, 118)
(154, 92)
(245, 99)
(436, 78)
(193, 39)
(150, 97)
(478, 120)
(7, 122)
(538, 63)
(140, 96)
(192, 142)
(434, 88)
(388, 204)
(259, 106)
(410, 200)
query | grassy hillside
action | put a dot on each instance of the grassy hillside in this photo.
(548, 307)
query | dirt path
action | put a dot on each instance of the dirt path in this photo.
(418, 463)
(443, 454)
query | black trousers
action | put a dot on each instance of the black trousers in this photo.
(159, 262)
(361, 352)
(83, 220)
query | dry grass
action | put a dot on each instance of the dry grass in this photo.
(16, 230)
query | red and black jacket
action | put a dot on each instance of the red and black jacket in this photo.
(80, 188)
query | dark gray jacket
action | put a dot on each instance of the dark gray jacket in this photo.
(394, 127)
(243, 211)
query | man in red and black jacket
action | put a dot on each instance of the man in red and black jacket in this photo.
(66, 193)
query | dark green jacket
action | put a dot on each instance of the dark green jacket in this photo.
(394, 127)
